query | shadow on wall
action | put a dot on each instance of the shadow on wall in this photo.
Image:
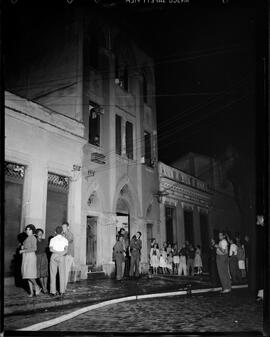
(16, 262)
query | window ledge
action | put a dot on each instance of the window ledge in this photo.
(95, 147)
(149, 168)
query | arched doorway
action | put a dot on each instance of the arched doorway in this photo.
(122, 215)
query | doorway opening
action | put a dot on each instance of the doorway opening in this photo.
(91, 242)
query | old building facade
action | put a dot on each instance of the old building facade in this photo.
(185, 203)
(195, 209)
(89, 147)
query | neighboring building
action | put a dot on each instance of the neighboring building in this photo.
(224, 212)
(93, 120)
(196, 202)
(185, 203)
(41, 149)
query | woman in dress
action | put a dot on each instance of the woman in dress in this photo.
(170, 262)
(163, 261)
(198, 260)
(29, 260)
(154, 258)
(42, 261)
(233, 261)
(241, 257)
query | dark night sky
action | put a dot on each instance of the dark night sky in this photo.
(205, 77)
(205, 68)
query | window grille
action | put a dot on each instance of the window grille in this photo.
(14, 170)
(56, 180)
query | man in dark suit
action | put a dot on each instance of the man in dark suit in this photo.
(135, 251)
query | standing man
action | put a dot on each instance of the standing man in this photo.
(69, 259)
(125, 268)
(119, 257)
(135, 251)
(58, 248)
(223, 263)
(190, 259)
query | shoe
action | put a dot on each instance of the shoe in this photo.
(62, 294)
(31, 295)
(225, 291)
(53, 295)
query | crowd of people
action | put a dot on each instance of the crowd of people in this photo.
(42, 261)
(227, 259)
(127, 255)
(170, 260)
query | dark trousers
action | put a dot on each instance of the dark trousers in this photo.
(120, 264)
(234, 269)
(223, 271)
(213, 272)
(134, 263)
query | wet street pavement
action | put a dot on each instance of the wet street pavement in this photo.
(176, 313)
(199, 313)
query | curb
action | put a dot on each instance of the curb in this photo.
(63, 318)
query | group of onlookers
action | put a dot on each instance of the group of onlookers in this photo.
(127, 255)
(228, 260)
(169, 259)
(41, 261)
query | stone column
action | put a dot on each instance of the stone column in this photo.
(196, 226)
(180, 225)
(162, 224)
(35, 195)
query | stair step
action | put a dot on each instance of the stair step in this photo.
(96, 275)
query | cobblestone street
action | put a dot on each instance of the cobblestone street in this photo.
(198, 313)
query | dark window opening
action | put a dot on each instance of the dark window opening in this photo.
(125, 78)
(118, 134)
(145, 98)
(93, 54)
(147, 149)
(169, 216)
(94, 127)
(116, 69)
(188, 220)
(204, 232)
(129, 140)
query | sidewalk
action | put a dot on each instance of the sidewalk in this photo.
(89, 292)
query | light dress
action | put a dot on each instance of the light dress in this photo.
(163, 260)
(198, 259)
(154, 258)
(29, 258)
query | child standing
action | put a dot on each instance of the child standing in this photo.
(154, 258)
(170, 262)
(176, 261)
(163, 260)
(241, 258)
(198, 260)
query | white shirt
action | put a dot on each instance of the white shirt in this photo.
(223, 244)
(59, 243)
(233, 249)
